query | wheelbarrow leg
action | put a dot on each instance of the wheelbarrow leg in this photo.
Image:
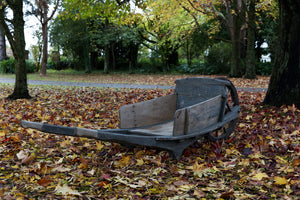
(176, 148)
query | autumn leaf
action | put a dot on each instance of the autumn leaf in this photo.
(25, 157)
(124, 161)
(197, 169)
(65, 190)
(260, 176)
(84, 163)
(60, 168)
(45, 181)
(99, 145)
(44, 169)
(280, 180)
(139, 162)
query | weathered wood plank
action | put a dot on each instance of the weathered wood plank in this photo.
(148, 113)
(191, 91)
(179, 122)
(165, 129)
(203, 115)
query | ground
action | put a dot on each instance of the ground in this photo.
(259, 161)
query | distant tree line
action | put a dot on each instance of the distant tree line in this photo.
(111, 32)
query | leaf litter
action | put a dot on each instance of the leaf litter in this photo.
(260, 160)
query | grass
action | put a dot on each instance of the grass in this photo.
(125, 78)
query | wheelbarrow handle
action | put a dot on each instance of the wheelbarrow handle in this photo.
(61, 130)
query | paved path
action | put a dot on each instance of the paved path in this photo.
(111, 85)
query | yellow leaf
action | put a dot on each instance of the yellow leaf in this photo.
(245, 162)
(249, 117)
(197, 169)
(248, 145)
(124, 161)
(280, 180)
(99, 145)
(139, 162)
(2, 133)
(260, 176)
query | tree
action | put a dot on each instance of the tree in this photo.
(284, 87)
(3, 54)
(17, 41)
(36, 49)
(166, 26)
(230, 13)
(41, 12)
(250, 58)
(111, 14)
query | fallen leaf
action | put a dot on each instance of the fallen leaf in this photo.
(91, 172)
(28, 159)
(197, 169)
(227, 195)
(124, 161)
(84, 164)
(99, 145)
(45, 181)
(65, 190)
(60, 168)
(21, 155)
(280, 180)
(139, 162)
(260, 176)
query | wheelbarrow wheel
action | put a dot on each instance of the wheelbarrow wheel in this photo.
(223, 132)
(233, 100)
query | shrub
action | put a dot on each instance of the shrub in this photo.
(30, 66)
(218, 59)
(61, 65)
(191, 69)
(264, 68)
(8, 66)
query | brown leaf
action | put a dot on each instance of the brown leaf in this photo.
(28, 158)
(84, 163)
(227, 195)
(45, 181)
(44, 169)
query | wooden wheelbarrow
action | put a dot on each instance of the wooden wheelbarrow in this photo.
(199, 107)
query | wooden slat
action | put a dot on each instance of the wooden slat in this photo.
(179, 122)
(191, 91)
(165, 129)
(148, 113)
(203, 115)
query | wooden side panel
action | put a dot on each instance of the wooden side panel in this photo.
(192, 91)
(204, 114)
(148, 113)
(179, 122)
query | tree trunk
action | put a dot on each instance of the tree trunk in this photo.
(17, 41)
(250, 65)
(106, 58)
(45, 47)
(234, 25)
(284, 87)
(113, 56)
(3, 54)
(86, 57)
(133, 55)
(236, 50)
